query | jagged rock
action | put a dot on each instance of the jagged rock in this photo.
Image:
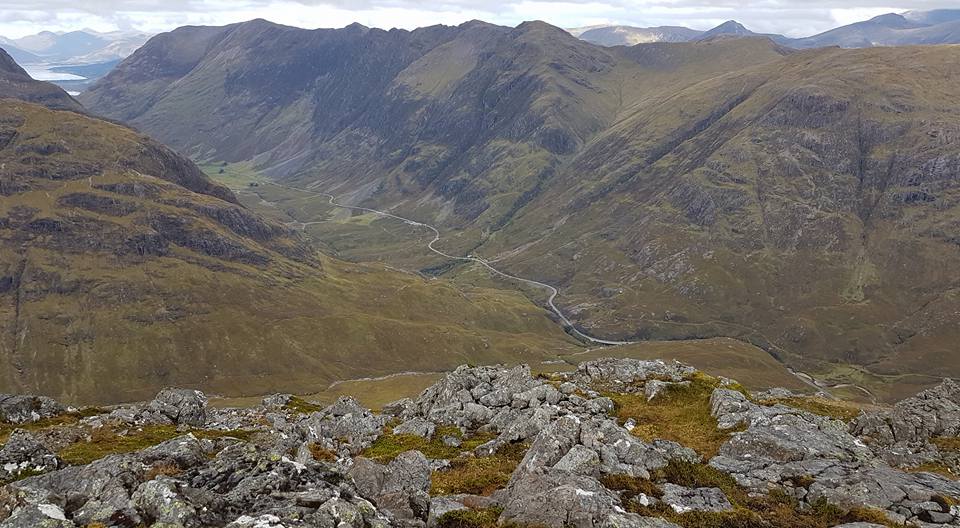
(594, 446)
(451, 441)
(23, 453)
(276, 401)
(782, 433)
(400, 487)
(933, 412)
(417, 427)
(558, 499)
(620, 373)
(782, 445)
(38, 516)
(161, 501)
(28, 408)
(344, 426)
(398, 408)
(406, 484)
(180, 406)
(684, 500)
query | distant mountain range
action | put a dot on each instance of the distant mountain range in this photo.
(74, 47)
(72, 60)
(914, 27)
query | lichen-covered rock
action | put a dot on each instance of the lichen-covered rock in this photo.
(180, 406)
(38, 516)
(399, 488)
(417, 427)
(933, 412)
(24, 454)
(345, 426)
(618, 373)
(684, 500)
(783, 446)
(161, 501)
(28, 408)
(555, 498)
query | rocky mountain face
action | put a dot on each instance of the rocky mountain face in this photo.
(817, 194)
(485, 447)
(15, 83)
(124, 268)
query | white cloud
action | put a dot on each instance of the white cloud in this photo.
(791, 17)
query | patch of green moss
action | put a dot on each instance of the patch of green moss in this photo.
(478, 475)
(107, 441)
(836, 410)
(389, 445)
(60, 420)
(299, 405)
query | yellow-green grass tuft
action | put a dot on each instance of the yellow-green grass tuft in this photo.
(478, 475)
(389, 445)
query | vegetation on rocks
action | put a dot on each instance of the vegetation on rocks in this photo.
(681, 413)
(838, 410)
(389, 445)
(478, 475)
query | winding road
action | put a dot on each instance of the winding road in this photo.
(553, 292)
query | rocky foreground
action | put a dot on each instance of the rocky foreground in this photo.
(617, 443)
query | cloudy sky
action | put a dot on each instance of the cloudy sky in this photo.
(790, 17)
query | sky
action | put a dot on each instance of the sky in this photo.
(794, 18)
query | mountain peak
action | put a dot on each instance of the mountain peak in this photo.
(893, 21)
(730, 27)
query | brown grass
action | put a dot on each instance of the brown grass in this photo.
(837, 410)
(478, 475)
(682, 414)
(776, 510)
(322, 454)
(165, 469)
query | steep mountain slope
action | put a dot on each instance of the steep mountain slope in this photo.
(15, 83)
(471, 120)
(808, 206)
(124, 269)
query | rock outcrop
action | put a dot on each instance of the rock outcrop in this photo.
(278, 466)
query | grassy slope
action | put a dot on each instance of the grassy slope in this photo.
(87, 320)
